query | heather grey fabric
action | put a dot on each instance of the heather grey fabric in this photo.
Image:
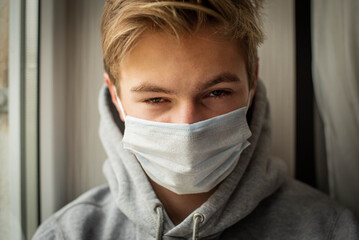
(256, 201)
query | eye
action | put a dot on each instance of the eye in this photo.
(155, 100)
(219, 93)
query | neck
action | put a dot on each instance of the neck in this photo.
(178, 207)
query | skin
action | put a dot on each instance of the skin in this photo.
(166, 80)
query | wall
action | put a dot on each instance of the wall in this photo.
(85, 154)
(277, 69)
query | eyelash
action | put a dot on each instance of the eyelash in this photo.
(160, 100)
(223, 93)
(155, 100)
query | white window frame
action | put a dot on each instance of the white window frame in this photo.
(23, 117)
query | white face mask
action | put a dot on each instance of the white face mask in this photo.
(188, 158)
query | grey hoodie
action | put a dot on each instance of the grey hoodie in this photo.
(256, 201)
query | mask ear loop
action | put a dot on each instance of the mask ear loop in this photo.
(249, 100)
(120, 104)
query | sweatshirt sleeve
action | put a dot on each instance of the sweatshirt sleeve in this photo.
(346, 227)
(48, 230)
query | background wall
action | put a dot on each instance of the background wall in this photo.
(81, 77)
(84, 78)
(277, 69)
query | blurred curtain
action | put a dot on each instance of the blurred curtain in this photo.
(335, 39)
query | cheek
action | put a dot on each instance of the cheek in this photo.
(223, 106)
(137, 109)
(241, 99)
(231, 105)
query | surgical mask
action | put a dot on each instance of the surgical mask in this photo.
(188, 158)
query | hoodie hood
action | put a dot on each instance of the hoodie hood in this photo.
(255, 177)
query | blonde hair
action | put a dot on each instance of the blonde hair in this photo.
(124, 21)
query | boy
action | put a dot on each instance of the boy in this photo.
(192, 161)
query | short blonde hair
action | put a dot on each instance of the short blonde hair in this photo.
(124, 21)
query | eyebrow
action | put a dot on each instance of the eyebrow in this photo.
(147, 87)
(223, 77)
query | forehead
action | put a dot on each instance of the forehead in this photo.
(159, 56)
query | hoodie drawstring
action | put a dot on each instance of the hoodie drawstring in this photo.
(159, 211)
(197, 219)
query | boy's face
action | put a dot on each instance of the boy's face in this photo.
(166, 80)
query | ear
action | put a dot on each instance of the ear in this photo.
(112, 89)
